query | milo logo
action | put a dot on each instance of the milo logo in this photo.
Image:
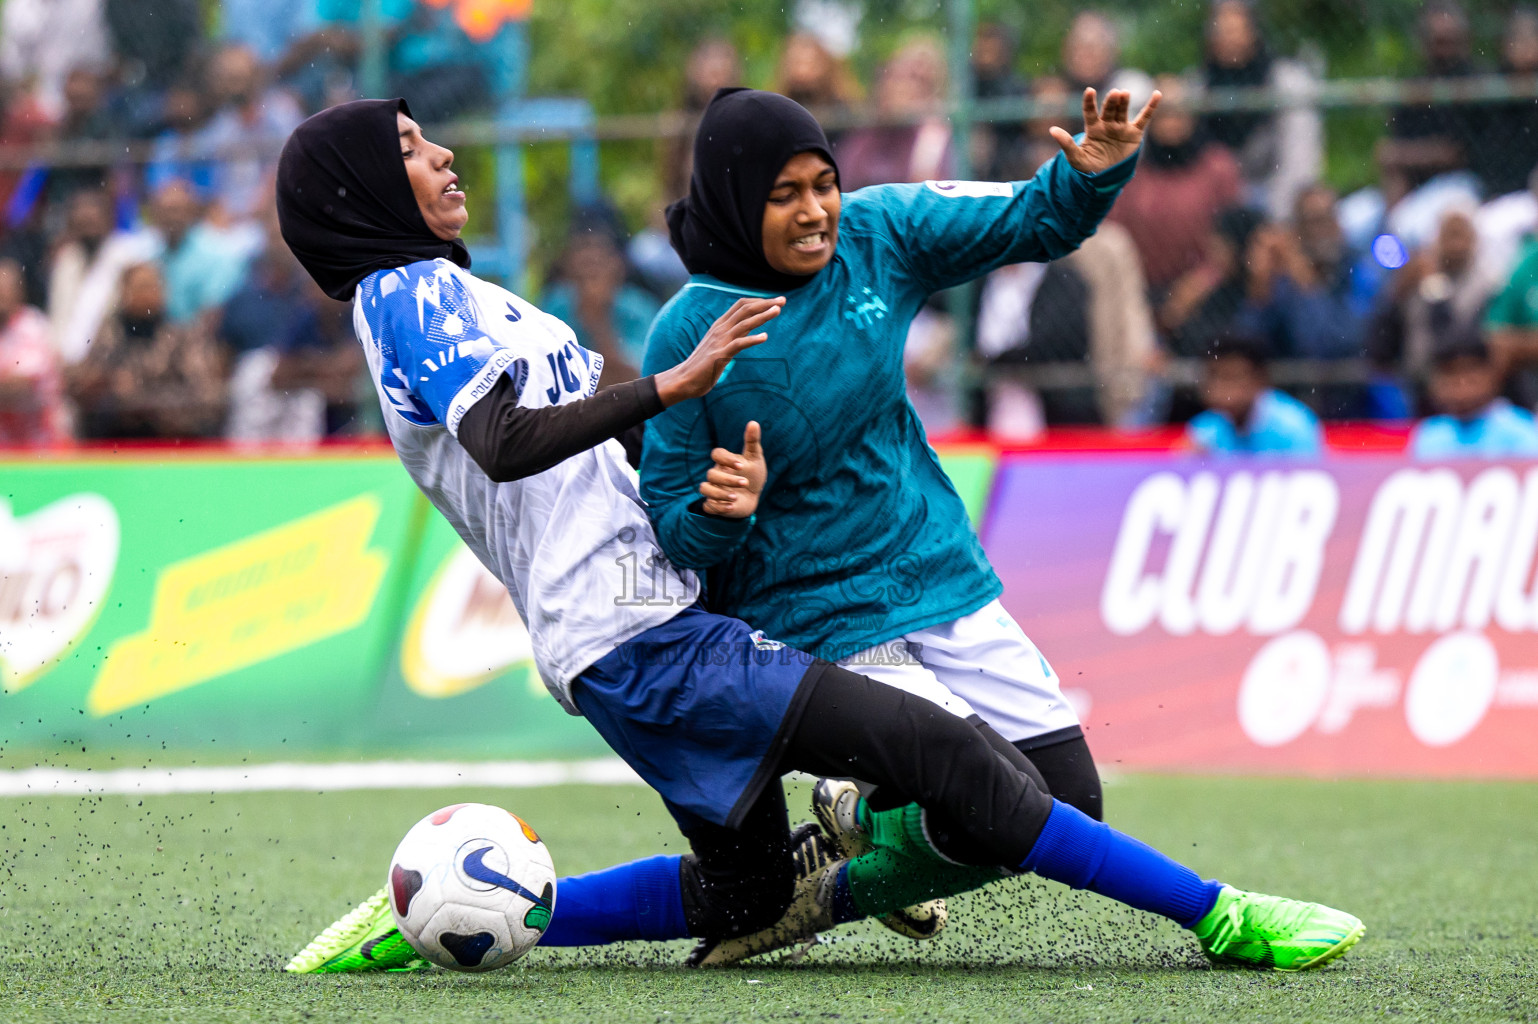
(56, 566)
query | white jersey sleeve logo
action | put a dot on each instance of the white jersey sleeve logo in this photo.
(441, 353)
(972, 189)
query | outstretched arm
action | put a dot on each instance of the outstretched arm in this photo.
(510, 442)
(949, 232)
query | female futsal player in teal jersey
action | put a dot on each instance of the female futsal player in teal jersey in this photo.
(860, 550)
(860, 539)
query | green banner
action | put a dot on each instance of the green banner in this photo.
(278, 605)
(228, 604)
(196, 602)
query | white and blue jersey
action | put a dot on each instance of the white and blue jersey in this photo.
(573, 545)
(1500, 431)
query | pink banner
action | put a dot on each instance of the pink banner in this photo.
(1366, 615)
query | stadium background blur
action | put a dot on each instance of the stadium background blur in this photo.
(226, 614)
(205, 539)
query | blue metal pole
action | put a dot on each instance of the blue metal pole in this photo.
(584, 186)
(512, 218)
(371, 67)
(961, 25)
(962, 301)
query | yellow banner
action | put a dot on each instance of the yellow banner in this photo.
(246, 602)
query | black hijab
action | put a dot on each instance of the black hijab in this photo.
(745, 139)
(345, 204)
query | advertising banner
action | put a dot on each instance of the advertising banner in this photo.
(194, 602)
(1362, 616)
(255, 604)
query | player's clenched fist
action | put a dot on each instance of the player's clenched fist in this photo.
(732, 486)
(730, 334)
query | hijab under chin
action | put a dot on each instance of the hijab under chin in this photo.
(345, 204)
(744, 140)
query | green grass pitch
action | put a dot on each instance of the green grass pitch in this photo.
(185, 908)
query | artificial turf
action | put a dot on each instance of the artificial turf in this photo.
(184, 909)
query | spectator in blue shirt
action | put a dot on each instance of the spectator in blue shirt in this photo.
(430, 60)
(203, 262)
(230, 156)
(296, 363)
(1472, 421)
(267, 27)
(1245, 415)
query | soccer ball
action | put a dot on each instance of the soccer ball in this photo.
(472, 887)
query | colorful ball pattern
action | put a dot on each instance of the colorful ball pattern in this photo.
(472, 887)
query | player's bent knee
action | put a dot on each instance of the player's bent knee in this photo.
(984, 809)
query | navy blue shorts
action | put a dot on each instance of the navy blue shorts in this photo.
(701, 707)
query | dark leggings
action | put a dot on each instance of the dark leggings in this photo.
(985, 801)
(1068, 769)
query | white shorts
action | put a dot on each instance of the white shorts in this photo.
(980, 664)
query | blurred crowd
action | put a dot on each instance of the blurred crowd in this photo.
(156, 300)
(1228, 252)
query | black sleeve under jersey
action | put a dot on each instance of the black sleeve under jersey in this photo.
(510, 443)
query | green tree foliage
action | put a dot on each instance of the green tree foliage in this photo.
(629, 57)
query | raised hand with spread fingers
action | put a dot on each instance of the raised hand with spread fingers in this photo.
(1109, 137)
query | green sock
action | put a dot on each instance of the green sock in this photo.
(885, 880)
(901, 829)
(905, 868)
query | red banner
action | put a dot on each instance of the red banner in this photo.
(1364, 615)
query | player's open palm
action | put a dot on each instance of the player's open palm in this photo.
(1109, 136)
(733, 331)
(733, 485)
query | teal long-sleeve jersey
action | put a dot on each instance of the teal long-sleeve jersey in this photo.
(859, 535)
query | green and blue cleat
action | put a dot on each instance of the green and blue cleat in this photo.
(1250, 929)
(366, 939)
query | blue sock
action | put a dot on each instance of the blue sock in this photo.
(639, 900)
(1079, 851)
(844, 908)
